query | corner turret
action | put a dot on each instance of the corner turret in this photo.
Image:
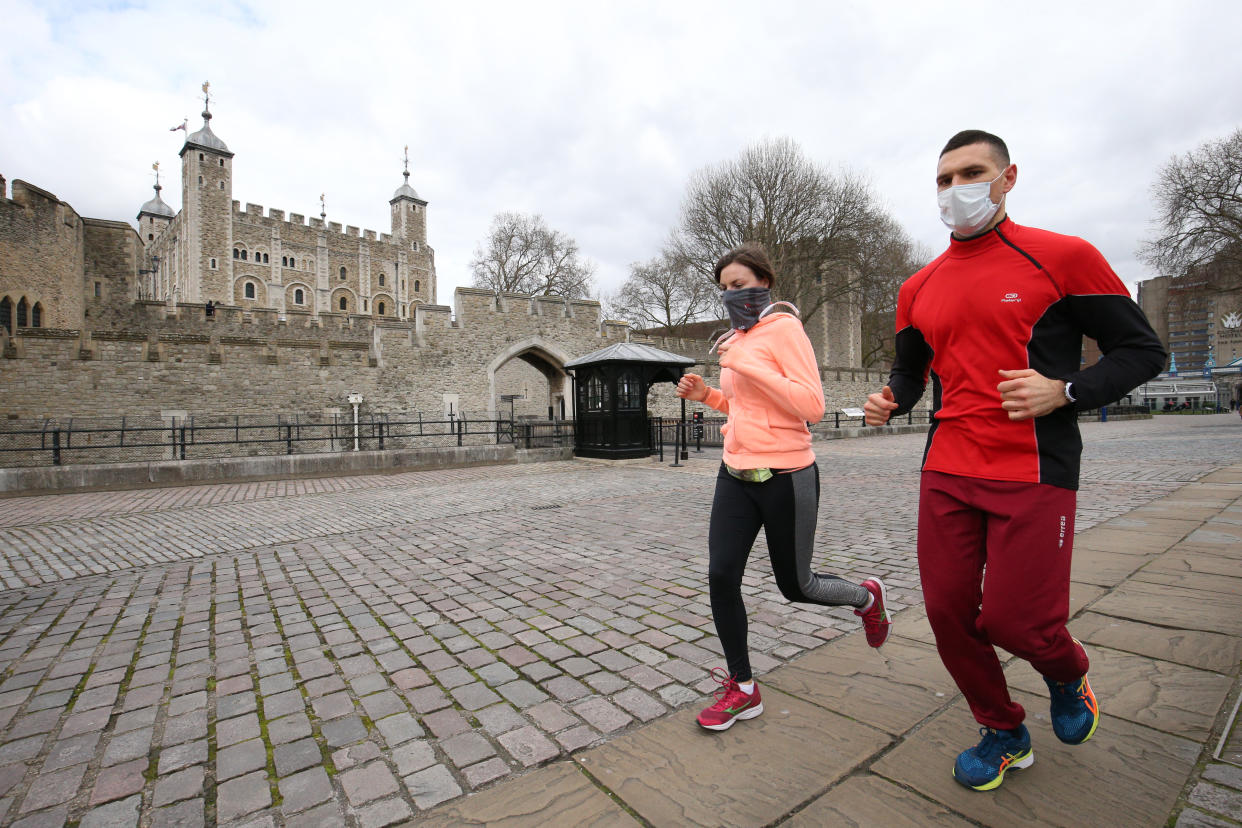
(409, 212)
(206, 207)
(154, 215)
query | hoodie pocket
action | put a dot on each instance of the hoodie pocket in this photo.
(750, 433)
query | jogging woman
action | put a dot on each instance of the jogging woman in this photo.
(770, 389)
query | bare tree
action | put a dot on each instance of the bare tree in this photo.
(522, 254)
(810, 220)
(886, 256)
(664, 292)
(1199, 216)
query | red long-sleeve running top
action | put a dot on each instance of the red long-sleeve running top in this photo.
(1015, 297)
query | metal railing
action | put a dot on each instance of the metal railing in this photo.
(55, 442)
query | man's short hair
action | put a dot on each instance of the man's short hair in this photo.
(977, 136)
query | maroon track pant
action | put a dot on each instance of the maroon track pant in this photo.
(1023, 534)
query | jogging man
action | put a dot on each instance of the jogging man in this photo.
(997, 322)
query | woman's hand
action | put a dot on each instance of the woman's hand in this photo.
(691, 387)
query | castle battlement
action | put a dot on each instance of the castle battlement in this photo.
(255, 214)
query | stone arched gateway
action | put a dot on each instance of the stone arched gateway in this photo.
(546, 358)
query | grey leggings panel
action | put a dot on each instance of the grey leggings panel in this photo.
(786, 508)
(813, 588)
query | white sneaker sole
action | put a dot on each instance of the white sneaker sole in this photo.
(749, 713)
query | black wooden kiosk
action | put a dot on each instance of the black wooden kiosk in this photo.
(610, 396)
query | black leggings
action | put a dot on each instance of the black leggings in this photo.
(786, 507)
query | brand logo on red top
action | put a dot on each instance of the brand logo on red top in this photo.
(1011, 297)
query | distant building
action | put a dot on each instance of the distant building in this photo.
(213, 250)
(1201, 328)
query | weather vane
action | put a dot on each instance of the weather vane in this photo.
(407, 160)
(206, 94)
(322, 209)
(156, 167)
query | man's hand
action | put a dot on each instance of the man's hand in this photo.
(691, 387)
(1026, 393)
(879, 407)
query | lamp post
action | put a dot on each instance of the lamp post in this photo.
(355, 399)
(154, 269)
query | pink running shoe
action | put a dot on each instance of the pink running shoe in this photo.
(875, 618)
(731, 704)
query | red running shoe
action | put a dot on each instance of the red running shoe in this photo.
(731, 704)
(875, 617)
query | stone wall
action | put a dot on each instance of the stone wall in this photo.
(41, 254)
(152, 361)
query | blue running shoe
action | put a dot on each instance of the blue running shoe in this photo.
(1075, 712)
(983, 766)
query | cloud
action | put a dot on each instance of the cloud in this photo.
(595, 115)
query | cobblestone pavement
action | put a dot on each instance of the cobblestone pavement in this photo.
(355, 650)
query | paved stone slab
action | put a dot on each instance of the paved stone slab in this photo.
(1169, 697)
(1194, 648)
(1144, 768)
(1174, 607)
(559, 794)
(1106, 569)
(675, 773)
(892, 689)
(1206, 582)
(870, 800)
(1181, 559)
(1122, 541)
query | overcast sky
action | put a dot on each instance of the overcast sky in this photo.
(595, 114)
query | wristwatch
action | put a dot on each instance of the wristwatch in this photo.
(1069, 394)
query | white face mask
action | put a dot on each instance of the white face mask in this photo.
(967, 208)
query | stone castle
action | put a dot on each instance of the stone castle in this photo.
(98, 318)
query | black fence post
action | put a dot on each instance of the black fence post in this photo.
(183, 442)
(381, 434)
(56, 447)
(460, 424)
(288, 439)
(836, 419)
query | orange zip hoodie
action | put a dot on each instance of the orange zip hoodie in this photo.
(770, 388)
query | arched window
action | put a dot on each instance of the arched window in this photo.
(245, 255)
(264, 258)
(150, 236)
(213, 264)
(344, 303)
(299, 298)
(221, 162)
(381, 280)
(21, 313)
(291, 264)
(36, 315)
(342, 273)
(284, 261)
(6, 314)
(249, 290)
(200, 181)
(236, 253)
(417, 286)
(379, 308)
(200, 156)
